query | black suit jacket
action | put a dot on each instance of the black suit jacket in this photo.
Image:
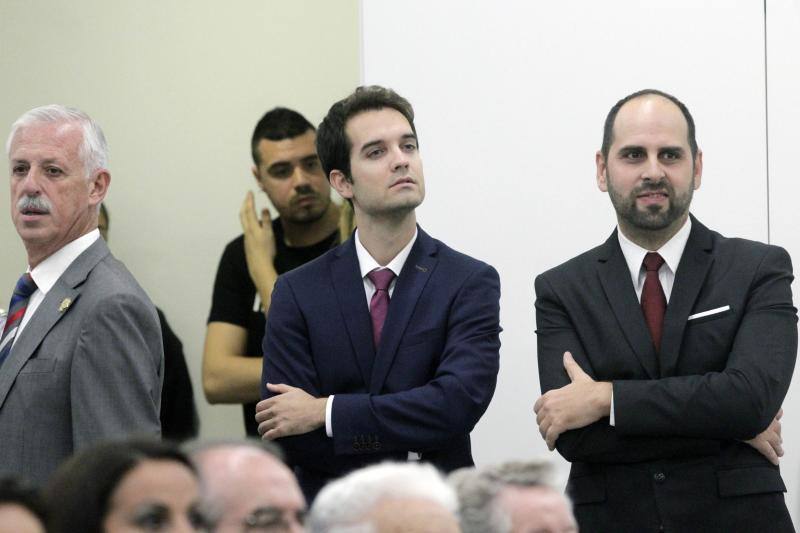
(675, 457)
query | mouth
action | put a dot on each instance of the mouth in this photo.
(33, 211)
(305, 200)
(403, 181)
(653, 196)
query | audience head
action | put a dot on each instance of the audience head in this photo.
(58, 179)
(245, 486)
(333, 144)
(287, 168)
(21, 509)
(124, 486)
(386, 498)
(514, 497)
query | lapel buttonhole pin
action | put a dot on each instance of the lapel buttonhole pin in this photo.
(65, 303)
(421, 269)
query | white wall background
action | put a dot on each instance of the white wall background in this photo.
(510, 98)
(178, 86)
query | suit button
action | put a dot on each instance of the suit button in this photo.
(659, 477)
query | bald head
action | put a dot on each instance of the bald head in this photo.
(242, 484)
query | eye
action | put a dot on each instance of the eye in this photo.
(409, 146)
(311, 164)
(152, 519)
(633, 155)
(375, 153)
(53, 171)
(280, 171)
(670, 155)
(19, 170)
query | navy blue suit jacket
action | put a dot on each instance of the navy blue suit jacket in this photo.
(425, 387)
(675, 457)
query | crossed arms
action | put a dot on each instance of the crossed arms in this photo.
(677, 415)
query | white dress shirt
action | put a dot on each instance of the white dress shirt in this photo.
(46, 273)
(367, 264)
(634, 254)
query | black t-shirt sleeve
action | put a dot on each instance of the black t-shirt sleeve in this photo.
(234, 291)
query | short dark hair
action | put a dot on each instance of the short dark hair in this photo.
(608, 128)
(15, 492)
(333, 146)
(278, 124)
(79, 492)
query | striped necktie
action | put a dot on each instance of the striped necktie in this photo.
(19, 303)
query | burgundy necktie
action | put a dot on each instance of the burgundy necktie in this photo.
(654, 303)
(379, 304)
(19, 303)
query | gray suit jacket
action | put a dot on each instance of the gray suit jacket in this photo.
(86, 367)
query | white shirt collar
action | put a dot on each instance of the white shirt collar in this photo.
(46, 273)
(367, 263)
(671, 251)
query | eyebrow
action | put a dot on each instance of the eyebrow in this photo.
(634, 148)
(404, 137)
(284, 162)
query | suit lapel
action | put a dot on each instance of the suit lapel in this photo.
(407, 290)
(692, 271)
(615, 278)
(349, 288)
(58, 302)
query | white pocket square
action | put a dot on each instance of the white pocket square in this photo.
(709, 312)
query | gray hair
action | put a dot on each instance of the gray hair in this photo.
(343, 505)
(93, 150)
(478, 490)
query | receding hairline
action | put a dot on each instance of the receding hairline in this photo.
(648, 96)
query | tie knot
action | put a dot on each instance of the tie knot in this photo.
(381, 278)
(652, 262)
(25, 286)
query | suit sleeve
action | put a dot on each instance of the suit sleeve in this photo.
(740, 401)
(598, 442)
(115, 378)
(446, 408)
(288, 359)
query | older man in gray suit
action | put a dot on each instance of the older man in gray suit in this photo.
(80, 353)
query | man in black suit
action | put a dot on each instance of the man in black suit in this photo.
(665, 353)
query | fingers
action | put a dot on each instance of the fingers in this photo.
(280, 388)
(574, 371)
(247, 214)
(780, 414)
(266, 218)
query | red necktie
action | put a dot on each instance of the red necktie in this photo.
(654, 303)
(379, 304)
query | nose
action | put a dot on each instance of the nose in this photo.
(300, 177)
(653, 170)
(399, 159)
(30, 184)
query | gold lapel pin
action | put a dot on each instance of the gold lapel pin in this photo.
(65, 303)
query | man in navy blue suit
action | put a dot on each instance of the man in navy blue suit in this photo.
(385, 348)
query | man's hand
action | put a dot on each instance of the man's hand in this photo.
(572, 406)
(259, 247)
(769, 441)
(292, 412)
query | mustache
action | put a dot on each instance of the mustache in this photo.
(37, 203)
(654, 186)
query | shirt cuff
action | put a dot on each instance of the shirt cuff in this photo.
(329, 415)
(611, 413)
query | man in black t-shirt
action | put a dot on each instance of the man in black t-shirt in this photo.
(287, 169)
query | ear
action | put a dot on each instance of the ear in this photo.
(257, 176)
(600, 162)
(342, 185)
(698, 169)
(98, 186)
